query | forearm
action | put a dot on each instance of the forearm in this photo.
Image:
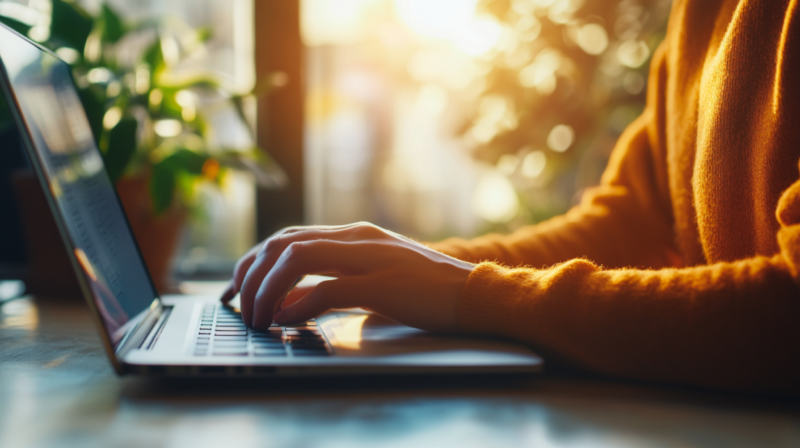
(728, 325)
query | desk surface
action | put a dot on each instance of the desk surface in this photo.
(57, 389)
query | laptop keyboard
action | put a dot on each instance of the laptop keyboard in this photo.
(222, 333)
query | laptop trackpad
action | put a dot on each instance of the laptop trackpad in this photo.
(361, 334)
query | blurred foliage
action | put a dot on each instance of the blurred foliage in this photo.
(146, 116)
(568, 77)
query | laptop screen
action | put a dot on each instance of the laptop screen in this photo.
(92, 217)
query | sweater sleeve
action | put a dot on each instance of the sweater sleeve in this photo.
(726, 325)
(626, 221)
(616, 298)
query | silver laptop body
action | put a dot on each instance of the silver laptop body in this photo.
(192, 335)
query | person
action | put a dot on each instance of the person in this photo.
(683, 266)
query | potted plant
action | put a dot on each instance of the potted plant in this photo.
(148, 115)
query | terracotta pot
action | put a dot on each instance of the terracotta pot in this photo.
(157, 235)
(49, 270)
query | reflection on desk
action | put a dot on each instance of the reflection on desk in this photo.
(57, 389)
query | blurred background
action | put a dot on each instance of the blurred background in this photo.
(433, 118)
(458, 117)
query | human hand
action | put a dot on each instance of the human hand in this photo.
(374, 268)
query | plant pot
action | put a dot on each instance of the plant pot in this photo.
(157, 235)
(49, 272)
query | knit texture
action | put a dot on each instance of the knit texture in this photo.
(684, 264)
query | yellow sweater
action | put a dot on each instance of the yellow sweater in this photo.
(682, 266)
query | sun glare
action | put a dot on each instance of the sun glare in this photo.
(453, 20)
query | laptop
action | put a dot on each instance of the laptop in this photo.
(144, 333)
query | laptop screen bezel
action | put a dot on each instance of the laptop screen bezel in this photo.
(138, 330)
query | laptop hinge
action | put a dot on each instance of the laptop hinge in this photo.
(134, 338)
(150, 342)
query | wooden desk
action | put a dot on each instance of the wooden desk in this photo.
(57, 389)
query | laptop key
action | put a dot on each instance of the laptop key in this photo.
(302, 330)
(271, 331)
(273, 352)
(267, 341)
(230, 338)
(267, 336)
(309, 353)
(305, 339)
(309, 347)
(268, 347)
(282, 353)
(230, 345)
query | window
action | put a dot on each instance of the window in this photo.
(457, 117)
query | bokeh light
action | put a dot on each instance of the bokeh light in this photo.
(592, 38)
(455, 117)
(495, 199)
(534, 164)
(452, 20)
(560, 138)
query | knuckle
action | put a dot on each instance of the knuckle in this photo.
(270, 245)
(290, 229)
(293, 248)
(368, 229)
(237, 270)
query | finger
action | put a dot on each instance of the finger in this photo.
(297, 229)
(312, 257)
(272, 249)
(243, 265)
(297, 293)
(346, 292)
(229, 293)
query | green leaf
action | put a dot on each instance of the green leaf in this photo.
(197, 79)
(166, 172)
(169, 106)
(238, 105)
(15, 25)
(204, 34)
(154, 57)
(70, 26)
(113, 28)
(121, 147)
(162, 186)
(187, 160)
(93, 104)
(265, 169)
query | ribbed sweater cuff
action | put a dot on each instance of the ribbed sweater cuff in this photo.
(477, 305)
